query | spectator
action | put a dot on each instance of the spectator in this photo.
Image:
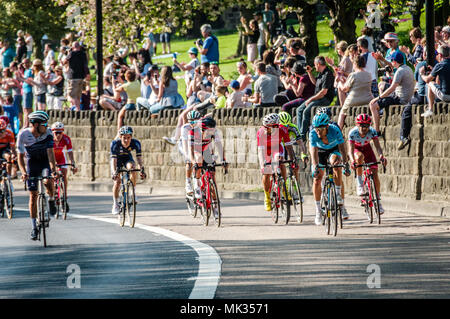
(7, 53)
(168, 96)
(300, 85)
(358, 86)
(164, 38)
(268, 19)
(219, 99)
(21, 50)
(200, 83)
(438, 80)
(188, 68)
(245, 78)
(150, 44)
(11, 112)
(142, 65)
(27, 90)
(265, 88)
(272, 68)
(64, 49)
(391, 40)
(415, 35)
(78, 71)
(261, 44)
(344, 68)
(210, 49)
(445, 35)
(9, 85)
(323, 94)
(234, 100)
(29, 42)
(215, 79)
(371, 65)
(85, 102)
(367, 35)
(402, 89)
(107, 100)
(132, 88)
(39, 84)
(56, 92)
(252, 34)
(17, 90)
(49, 55)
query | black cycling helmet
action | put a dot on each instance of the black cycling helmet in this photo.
(208, 122)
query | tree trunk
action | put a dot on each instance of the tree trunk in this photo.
(416, 13)
(242, 44)
(343, 15)
(306, 15)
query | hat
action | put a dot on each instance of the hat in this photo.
(446, 29)
(298, 68)
(37, 62)
(391, 36)
(193, 50)
(234, 84)
(397, 56)
(248, 92)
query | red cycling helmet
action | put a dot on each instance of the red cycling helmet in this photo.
(363, 119)
(5, 118)
(3, 125)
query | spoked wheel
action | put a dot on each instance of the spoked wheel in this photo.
(215, 203)
(131, 205)
(191, 206)
(8, 198)
(284, 202)
(206, 212)
(367, 208)
(61, 203)
(375, 206)
(274, 201)
(297, 199)
(2, 206)
(334, 211)
(43, 221)
(122, 209)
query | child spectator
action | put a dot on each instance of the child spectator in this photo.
(11, 112)
(219, 99)
(235, 98)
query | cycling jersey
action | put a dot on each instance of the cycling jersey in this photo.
(197, 138)
(7, 141)
(123, 154)
(294, 133)
(334, 136)
(273, 142)
(61, 149)
(362, 144)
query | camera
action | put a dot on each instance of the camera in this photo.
(199, 41)
(386, 69)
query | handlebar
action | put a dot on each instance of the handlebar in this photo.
(367, 165)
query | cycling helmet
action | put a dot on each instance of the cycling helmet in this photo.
(320, 120)
(363, 119)
(271, 119)
(126, 130)
(3, 125)
(57, 126)
(285, 118)
(193, 115)
(208, 122)
(325, 110)
(38, 117)
(5, 118)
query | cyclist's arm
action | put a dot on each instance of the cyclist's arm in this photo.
(140, 161)
(351, 152)
(343, 151)
(51, 158)
(377, 144)
(21, 161)
(290, 151)
(314, 152)
(113, 164)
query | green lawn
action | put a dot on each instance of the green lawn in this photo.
(228, 44)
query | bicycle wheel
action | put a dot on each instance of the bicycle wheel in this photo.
(284, 201)
(334, 210)
(122, 204)
(62, 199)
(8, 198)
(2, 207)
(131, 204)
(375, 206)
(205, 213)
(367, 207)
(274, 201)
(215, 203)
(191, 206)
(297, 199)
(42, 219)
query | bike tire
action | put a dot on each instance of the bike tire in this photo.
(131, 204)
(123, 204)
(191, 206)
(42, 222)
(274, 201)
(368, 208)
(216, 203)
(8, 199)
(62, 199)
(376, 207)
(205, 213)
(284, 202)
(297, 199)
(334, 210)
(2, 206)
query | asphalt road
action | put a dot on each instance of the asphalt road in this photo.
(407, 256)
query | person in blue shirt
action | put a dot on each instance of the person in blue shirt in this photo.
(11, 112)
(8, 54)
(27, 91)
(326, 144)
(121, 157)
(210, 49)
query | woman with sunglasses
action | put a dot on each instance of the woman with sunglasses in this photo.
(361, 152)
(63, 151)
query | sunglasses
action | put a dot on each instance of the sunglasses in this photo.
(321, 128)
(44, 124)
(57, 133)
(364, 125)
(271, 125)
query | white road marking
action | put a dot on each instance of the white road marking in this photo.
(209, 268)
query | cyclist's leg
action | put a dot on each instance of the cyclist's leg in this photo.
(198, 157)
(359, 159)
(188, 170)
(131, 165)
(336, 159)
(64, 175)
(7, 156)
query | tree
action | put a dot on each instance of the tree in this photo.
(38, 17)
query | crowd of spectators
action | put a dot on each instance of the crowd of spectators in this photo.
(275, 73)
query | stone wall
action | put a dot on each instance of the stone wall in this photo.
(420, 171)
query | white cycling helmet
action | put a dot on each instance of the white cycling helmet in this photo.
(271, 119)
(57, 126)
(38, 117)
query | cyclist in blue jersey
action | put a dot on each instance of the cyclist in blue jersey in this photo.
(121, 157)
(36, 158)
(326, 143)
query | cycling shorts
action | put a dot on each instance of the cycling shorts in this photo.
(369, 155)
(35, 169)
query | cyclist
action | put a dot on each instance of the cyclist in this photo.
(7, 146)
(121, 157)
(202, 151)
(36, 158)
(63, 152)
(272, 140)
(294, 134)
(184, 149)
(361, 152)
(326, 143)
